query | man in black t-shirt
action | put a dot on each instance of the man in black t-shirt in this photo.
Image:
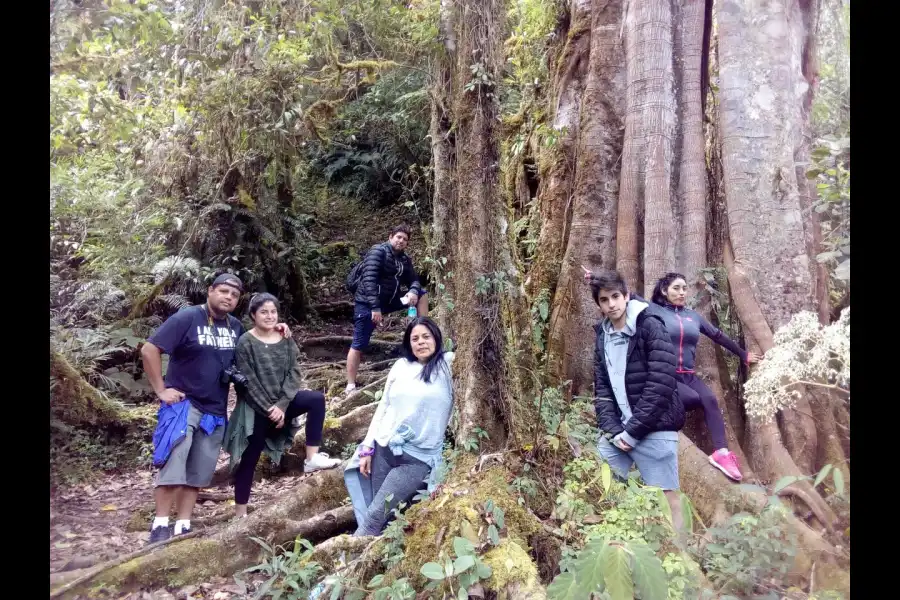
(200, 342)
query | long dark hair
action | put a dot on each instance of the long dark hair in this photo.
(662, 284)
(437, 359)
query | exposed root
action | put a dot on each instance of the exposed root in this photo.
(88, 576)
(332, 553)
(337, 340)
(773, 461)
(744, 301)
(313, 509)
(715, 498)
(332, 307)
(75, 401)
(802, 490)
(356, 399)
(351, 428)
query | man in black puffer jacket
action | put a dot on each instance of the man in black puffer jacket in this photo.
(385, 270)
(635, 391)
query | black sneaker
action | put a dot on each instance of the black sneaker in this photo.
(185, 530)
(159, 534)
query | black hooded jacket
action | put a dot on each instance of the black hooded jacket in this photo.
(384, 273)
(650, 382)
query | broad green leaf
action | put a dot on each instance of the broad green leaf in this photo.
(448, 568)
(500, 517)
(590, 576)
(467, 579)
(544, 309)
(432, 571)
(376, 581)
(687, 512)
(262, 543)
(468, 532)
(605, 477)
(664, 506)
(484, 570)
(494, 535)
(463, 547)
(461, 594)
(823, 474)
(838, 477)
(564, 587)
(616, 564)
(463, 563)
(336, 590)
(264, 588)
(784, 482)
(649, 577)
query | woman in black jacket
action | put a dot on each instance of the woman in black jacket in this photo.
(685, 326)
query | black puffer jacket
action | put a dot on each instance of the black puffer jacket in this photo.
(383, 275)
(649, 381)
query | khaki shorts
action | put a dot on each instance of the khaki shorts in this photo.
(192, 461)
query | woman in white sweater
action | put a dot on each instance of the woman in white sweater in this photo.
(402, 449)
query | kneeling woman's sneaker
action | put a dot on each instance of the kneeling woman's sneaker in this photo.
(727, 462)
(320, 461)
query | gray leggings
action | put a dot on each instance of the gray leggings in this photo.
(397, 476)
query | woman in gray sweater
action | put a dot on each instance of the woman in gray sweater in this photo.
(269, 402)
(401, 452)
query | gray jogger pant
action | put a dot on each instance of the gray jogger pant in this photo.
(397, 476)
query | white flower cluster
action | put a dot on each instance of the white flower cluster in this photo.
(804, 353)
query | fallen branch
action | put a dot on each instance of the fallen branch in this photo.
(313, 509)
(332, 306)
(715, 497)
(341, 364)
(214, 497)
(344, 340)
(356, 399)
(75, 401)
(351, 428)
(118, 561)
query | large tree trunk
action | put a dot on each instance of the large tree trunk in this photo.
(592, 237)
(480, 388)
(443, 163)
(557, 162)
(763, 120)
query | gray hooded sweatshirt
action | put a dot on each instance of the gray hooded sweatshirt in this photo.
(615, 349)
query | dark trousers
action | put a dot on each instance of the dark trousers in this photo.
(305, 401)
(394, 477)
(694, 394)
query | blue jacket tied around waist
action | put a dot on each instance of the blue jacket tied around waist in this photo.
(171, 428)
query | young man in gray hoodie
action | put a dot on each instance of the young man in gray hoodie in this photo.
(635, 391)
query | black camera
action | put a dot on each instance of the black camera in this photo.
(232, 375)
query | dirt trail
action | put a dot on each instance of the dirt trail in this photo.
(109, 517)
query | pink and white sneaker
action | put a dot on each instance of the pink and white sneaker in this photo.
(725, 461)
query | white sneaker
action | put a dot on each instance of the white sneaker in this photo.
(319, 462)
(351, 387)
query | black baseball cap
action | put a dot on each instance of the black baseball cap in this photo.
(228, 279)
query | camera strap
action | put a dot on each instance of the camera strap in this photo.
(212, 325)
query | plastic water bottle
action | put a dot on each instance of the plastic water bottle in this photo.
(412, 312)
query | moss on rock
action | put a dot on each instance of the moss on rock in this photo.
(435, 522)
